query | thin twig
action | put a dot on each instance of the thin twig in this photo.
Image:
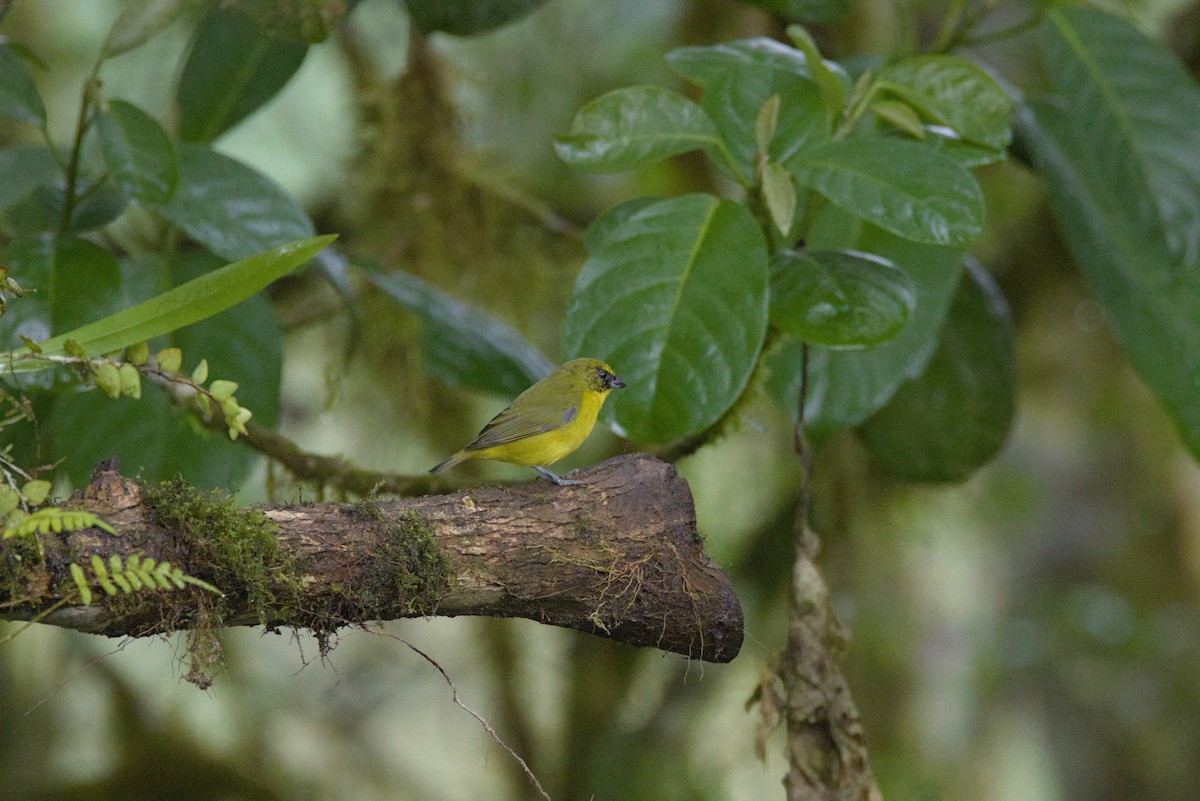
(482, 721)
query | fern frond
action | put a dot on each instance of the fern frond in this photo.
(136, 573)
(55, 520)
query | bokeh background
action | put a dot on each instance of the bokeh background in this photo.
(1032, 633)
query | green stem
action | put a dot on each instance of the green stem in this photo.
(90, 87)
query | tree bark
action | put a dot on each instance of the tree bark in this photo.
(619, 556)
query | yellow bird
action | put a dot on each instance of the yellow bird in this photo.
(546, 422)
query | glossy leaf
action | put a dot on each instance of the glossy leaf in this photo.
(674, 296)
(848, 386)
(140, 21)
(955, 417)
(230, 208)
(839, 298)
(733, 100)
(467, 17)
(951, 91)
(24, 169)
(702, 65)
(231, 71)
(462, 346)
(903, 187)
(138, 153)
(626, 128)
(19, 98)
(191, 302)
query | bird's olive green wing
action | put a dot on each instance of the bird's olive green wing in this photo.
(510, 426)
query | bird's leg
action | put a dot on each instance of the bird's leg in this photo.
(562, 482)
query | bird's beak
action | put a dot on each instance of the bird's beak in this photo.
(615, 383)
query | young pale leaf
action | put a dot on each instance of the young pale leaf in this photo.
(674, 296)
(734, 99)
(833, 90)
(19, 98)
(900, 115)
(766, 123)
(848, 386)
(462, 346)
(231, 209)
(138, 153)
(779, 193)
(467, 17)
(232, 70)
(951, 91)
(901, 186)
(629, 127)
(955, 417)
(140, 21)
(842, 299)
(195, 300)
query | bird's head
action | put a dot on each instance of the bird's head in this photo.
(597, 375)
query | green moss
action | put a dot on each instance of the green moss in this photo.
(22, 570)
(233, 548)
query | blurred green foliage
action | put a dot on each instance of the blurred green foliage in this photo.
(1031, 633)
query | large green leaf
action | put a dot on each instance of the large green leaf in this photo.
(638, 125)
(159, 439)
(463, 346)
(733, 101)
(810, 11)
(196, 300)
(1121, 150)
(703, 65)
(953, 92)
(955, 417)
(24, 169)
(140, 21)
(674, 296)
(848, 386)
(19, 98)
(232, 70)
(839, 298)
(467, 17)
(71, 282)
(904, 187)
(138, 153)
(230, 208)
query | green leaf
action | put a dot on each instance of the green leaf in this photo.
(97, 203)
(779, 194)
(900, 115)
(196, 300)
(951, 91)
(810, 11)
(1136, 110)
(848, 386)
(903, 187)
(467, 17)
(138, 153)
(839, 298)
(242, 344)
(706, 64)
(674, 296)
(638, 125)
(230, 208)
(462, 346)
(87, 283)
(733, 101)
(231, 71)
(23, 169)
(140, 21)
(956, 416)
(19, 98)
(833, 90)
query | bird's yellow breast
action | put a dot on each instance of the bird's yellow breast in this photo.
(548, 447)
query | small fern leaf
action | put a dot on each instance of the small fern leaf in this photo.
(85, 592)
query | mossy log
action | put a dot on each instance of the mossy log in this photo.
(618, 556)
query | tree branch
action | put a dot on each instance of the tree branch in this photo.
(619, 556)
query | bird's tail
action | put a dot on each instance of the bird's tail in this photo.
(450, 461)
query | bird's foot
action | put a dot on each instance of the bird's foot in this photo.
(559, 480)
